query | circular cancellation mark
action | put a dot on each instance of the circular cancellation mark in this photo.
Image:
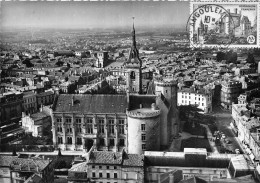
(211, 25)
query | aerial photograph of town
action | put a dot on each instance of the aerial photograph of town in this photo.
(129, 92)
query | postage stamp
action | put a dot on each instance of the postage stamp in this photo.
(222, 24)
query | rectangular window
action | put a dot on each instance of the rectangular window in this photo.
(101, 142)
(93, 174)
(143, 147)
(111, 129)
(90, 126)
(111, 142)
(121, 126)
(100, 175)
(69, 140)
(121, 142)
(93, 166)
(115, 175)
(108, 175)
(58, 120)
(60, 140)
(143, 137)
(143, 127)
(68, 120)
(101, 126)
(79, 141)
(107, 167)
(78, 120)
(100, 167)
(115, 167)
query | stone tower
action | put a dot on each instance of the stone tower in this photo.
(133, 65)
(166, 91)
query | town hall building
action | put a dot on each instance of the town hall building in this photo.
(133, 121)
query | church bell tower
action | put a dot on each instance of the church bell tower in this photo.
(133, 65)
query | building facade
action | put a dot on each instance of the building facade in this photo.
(248, 130)
(35, 123)
(80, 121)
(11, 105)
(14, 169)
(45, 98)
(106, 167)
(200, 97)
(29, 102)
(230, 92)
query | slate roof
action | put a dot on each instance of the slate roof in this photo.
(45, 94)
(23, 164)
(34, 179)
(145, 100)
(38, 115)
(134, 160)
(91, 103)
(116, 158)
(6, 160)
(80, 167)
(194, 180)
(100, 157)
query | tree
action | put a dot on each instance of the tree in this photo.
(59, 63)
(187, 110)
(28, 63)
(250, 58)
(231, 57)
(221, 56)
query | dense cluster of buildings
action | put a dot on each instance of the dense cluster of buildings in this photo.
(123, 111)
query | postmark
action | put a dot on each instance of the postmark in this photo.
(222, 24)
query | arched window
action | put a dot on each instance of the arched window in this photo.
(132, 75)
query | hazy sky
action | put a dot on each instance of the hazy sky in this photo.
(92, 14)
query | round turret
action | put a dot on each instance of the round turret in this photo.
(143, 129)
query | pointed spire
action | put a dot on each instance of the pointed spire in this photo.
(133, 33)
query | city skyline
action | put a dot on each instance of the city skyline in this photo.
(93, 14)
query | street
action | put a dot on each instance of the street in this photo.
(223, 119)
